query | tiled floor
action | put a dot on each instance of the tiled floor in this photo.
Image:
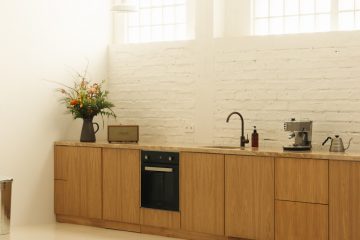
(60, 231)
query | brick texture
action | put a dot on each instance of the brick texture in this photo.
(182, 92)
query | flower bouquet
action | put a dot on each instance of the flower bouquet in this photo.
(86, 100)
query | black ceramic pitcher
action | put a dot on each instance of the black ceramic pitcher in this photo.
(87, 131)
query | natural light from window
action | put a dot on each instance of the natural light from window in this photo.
(349, 14)
(301, 16)
(157, 20)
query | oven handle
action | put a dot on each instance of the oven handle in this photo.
(158, 169)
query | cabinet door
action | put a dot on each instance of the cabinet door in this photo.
(302, 180)
(301, 221)
(78, 181)
(344, 200)
(202, 192)
(121, 184)
(249, 197)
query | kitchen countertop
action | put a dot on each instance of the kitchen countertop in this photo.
(269, 152)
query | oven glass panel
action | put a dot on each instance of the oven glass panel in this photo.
(160, 187)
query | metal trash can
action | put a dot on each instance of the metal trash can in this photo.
(5, 204)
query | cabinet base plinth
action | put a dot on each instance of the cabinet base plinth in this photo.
(180, 233)
(176, 233)
(99, 223)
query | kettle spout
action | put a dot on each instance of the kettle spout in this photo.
(326, 140)
(348, 144)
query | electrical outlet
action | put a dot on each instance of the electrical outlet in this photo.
(189, 128)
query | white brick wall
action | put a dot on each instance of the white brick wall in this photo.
(168, 88)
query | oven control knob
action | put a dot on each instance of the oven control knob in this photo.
(146, 157)
(170, 158)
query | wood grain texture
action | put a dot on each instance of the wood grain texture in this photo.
(78, 180)
(59, 196)
(5, 198)
(301, 221)
(160, 218)
(303, 180)
(121, 185)
(98, 223)
(249, 197)
(61, 158)
(344, 200)
(202, 192)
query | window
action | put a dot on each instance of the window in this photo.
(157, 20)
(349, 14)
(297, 16)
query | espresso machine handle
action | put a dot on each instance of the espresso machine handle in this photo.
(326, 140)
(291, 135)
(305, 138)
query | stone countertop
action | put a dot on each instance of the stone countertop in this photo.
(248, 151)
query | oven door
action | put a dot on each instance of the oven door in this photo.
(160, 186)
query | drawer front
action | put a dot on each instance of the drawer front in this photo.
(160, 218)
(300, 221)
(302, 180)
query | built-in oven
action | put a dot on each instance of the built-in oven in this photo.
(160, 180)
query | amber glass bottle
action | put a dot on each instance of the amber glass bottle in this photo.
(255, 138)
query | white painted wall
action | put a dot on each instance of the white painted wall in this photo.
(168, 88)
(42, 39)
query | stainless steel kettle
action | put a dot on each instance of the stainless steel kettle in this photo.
(337, 144)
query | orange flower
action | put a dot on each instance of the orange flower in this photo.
(74, 102)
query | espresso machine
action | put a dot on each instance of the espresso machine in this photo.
(301, 133)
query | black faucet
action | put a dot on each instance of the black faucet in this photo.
(243, 141)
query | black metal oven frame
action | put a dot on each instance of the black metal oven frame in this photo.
(160, 180)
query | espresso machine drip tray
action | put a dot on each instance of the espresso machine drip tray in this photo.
(296, 148)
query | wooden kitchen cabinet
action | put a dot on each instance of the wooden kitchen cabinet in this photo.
(202, 192)
(221, 196)
(301, 221)
(78, 180)
(344, 196)
(249, 197)
(302, 180)
(121, 185)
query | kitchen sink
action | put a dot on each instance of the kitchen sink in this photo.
(223, 147)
